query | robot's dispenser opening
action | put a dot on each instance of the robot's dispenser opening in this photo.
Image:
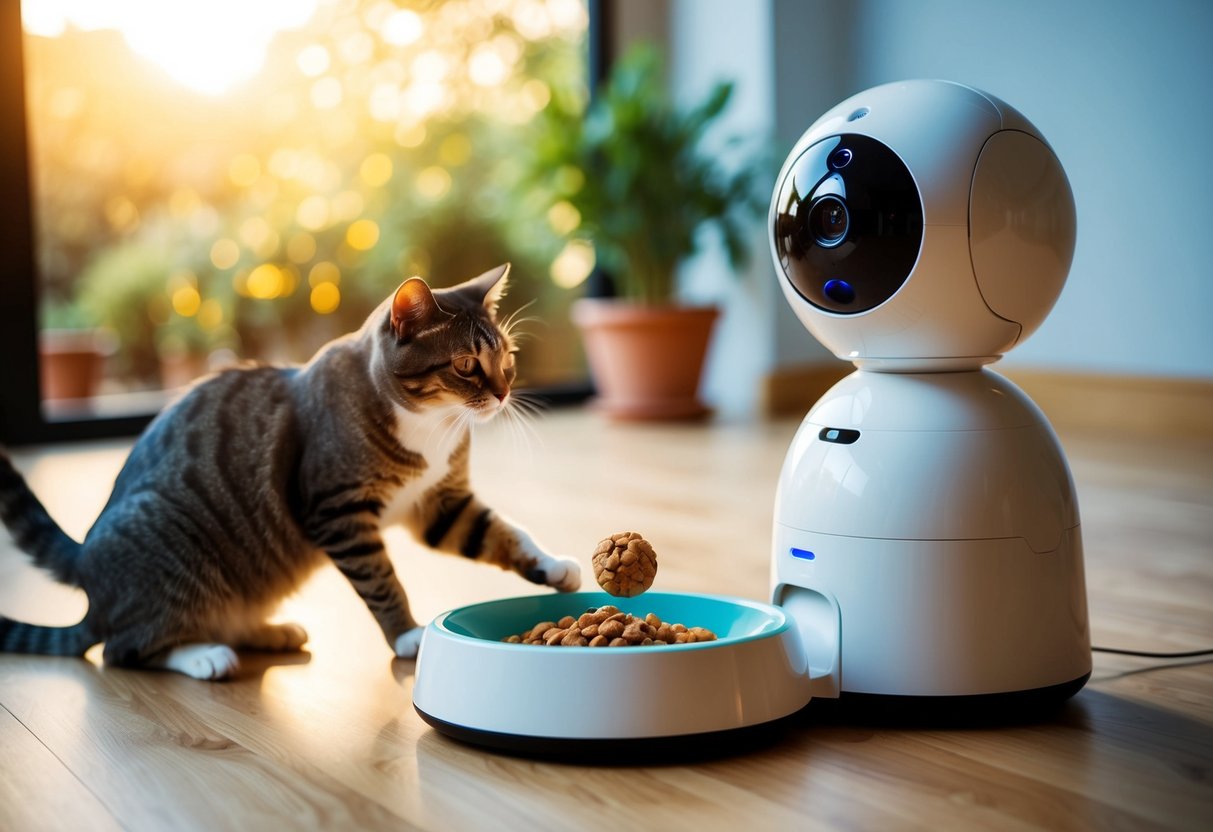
(819, 621)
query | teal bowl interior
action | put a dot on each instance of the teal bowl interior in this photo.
(731, 619)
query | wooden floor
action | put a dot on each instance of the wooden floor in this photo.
(329, 739)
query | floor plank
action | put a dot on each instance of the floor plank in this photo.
(38, 792)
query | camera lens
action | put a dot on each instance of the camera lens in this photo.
(840, 158)
(829, 221)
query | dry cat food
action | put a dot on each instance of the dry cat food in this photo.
(625, 564)
(607, 626)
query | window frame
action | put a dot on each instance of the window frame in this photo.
(21, 417)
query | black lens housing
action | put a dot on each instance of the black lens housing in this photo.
(858, 225)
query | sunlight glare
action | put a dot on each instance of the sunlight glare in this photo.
(207, 45)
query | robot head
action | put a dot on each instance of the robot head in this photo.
(920, 226)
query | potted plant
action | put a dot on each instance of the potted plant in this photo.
(71, 352)
(632, 173)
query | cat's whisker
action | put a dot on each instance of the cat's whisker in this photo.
(521, 412)
(510, 327)
(463, 420)
(513, 320)
(516, 437)
(528, 405)
(448, 423)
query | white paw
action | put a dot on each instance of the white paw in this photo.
(203, 661)
(563, 574)
(408, 643)
(277, 637)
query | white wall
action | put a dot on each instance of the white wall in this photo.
(1120, 88)
(703, 52)
(1123, 90)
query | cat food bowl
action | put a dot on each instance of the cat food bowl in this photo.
(531, 698)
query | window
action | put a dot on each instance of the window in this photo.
(222, 180)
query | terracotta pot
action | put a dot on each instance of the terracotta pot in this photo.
(178, 369)
(70, 363)
(646, 361)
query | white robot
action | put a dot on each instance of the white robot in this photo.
(926, 533)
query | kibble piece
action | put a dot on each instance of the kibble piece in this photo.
(625, 564)
(611, 629)
(574, 639)
(539, 629)
(633, 632)
(586, 619)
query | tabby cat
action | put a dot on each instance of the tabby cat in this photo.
(258, 475)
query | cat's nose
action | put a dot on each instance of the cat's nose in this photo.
(501, 396)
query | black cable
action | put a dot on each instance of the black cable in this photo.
(1145, 653)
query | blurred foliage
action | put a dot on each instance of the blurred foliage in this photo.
(634, 169)
(277, 215)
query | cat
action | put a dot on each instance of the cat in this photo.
(258, 475)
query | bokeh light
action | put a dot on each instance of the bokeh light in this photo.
(402, 28)
(225, 253)
(265, 282)
(325, 297)
(574, 264)
(186, 301)
(376, 170)
(362, 235)
(564, 218)
(313, 60)
(313, 213)
(433, 182)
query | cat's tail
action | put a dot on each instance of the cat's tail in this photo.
(34, 531)
(19, 637)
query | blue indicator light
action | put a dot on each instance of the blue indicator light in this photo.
(831, 435)
(803, 554)
(839, 291)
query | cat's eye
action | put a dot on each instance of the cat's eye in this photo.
(466, 365)
(507, 363)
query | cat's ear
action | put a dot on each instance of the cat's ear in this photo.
(490, 287)
(413, 306)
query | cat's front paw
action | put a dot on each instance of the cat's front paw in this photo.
(562, 574)
(408, 643)
(209, 662)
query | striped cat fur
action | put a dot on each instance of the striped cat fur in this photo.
(259, 475)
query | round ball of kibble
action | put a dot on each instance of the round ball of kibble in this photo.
(625, 564)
